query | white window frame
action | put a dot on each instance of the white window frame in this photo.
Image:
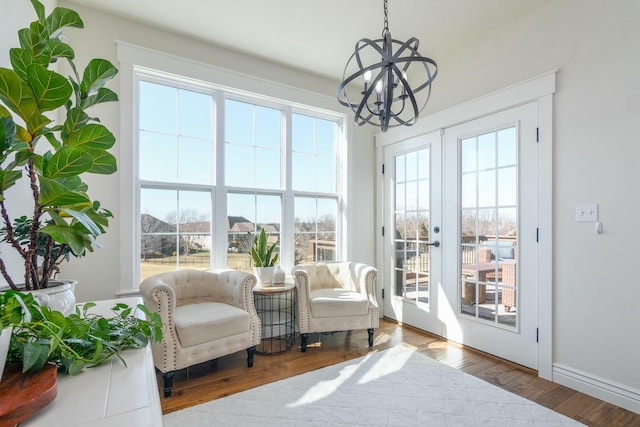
(136, 62)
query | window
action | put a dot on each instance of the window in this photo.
(205, 154)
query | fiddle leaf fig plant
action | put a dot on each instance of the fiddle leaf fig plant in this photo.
(48, 142)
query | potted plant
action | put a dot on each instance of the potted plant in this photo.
(263, 258)
(73, 342)
(48, 158)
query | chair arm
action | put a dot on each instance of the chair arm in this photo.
(160, 297)
(367, 275)
(303, 287)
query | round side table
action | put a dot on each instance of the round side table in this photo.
(276, 307)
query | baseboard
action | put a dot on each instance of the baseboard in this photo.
(618, 394)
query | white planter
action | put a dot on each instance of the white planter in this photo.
(58, 296)
(264, 275)
(5, 338)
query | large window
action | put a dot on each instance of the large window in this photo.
(206, 154)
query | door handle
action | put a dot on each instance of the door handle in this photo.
(435, 243)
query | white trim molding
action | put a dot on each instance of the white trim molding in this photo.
(601, 388)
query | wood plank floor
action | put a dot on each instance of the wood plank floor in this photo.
(228, 375)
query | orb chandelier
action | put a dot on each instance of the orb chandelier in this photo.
(386, 82)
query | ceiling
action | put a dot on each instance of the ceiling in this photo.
(319, 36)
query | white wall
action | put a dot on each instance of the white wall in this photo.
(596, 47)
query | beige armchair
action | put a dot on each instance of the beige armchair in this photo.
(206, 315)
(336, 296)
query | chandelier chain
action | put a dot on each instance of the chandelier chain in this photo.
(386, 19)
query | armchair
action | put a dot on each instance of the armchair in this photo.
(206, 315)
(335, 296)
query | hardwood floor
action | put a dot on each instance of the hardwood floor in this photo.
(228, 375)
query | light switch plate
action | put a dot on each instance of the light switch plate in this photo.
(587, 213)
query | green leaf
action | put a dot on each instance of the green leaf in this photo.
(62, 17)
(7, 133)
(8, 179)
(85, 220)
(76, 367)
(67, 235)
(59, 193)
(34, 356)
(97, 73)
(50, 89)
(93, 136)
(103, 162)
(17, 96)
(37, 123)
(58, 49)
(76, 119)
(103, 95)
(21, 158)
(39, 8)
(34, 40)
(20, 60)
(68, 161)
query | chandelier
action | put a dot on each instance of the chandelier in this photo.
(388, 81)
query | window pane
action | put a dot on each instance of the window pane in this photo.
(162, 205)
(303, 177)
(507, 147)
(194, 114)
(249, 213)
(468, 154)
(195, 158)
(157, 107)
(314, 144)
(267, 169)
(268, 127)
(158, 157)
(486, 151)
(315, 233)
(302, 129)
(326, 179)
(238, 124)
(326, 138)
(238, 165)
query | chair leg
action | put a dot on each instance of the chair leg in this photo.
(370, 330)
(250, 352)
(303, 342)
(168, 382)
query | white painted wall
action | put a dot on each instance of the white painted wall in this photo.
(596, 47)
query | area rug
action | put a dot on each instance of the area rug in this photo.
(394, 387)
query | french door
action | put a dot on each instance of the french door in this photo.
(460, 257)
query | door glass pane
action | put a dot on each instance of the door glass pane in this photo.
(412, 224)
(488, 246)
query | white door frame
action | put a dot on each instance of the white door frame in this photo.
(539, 89)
